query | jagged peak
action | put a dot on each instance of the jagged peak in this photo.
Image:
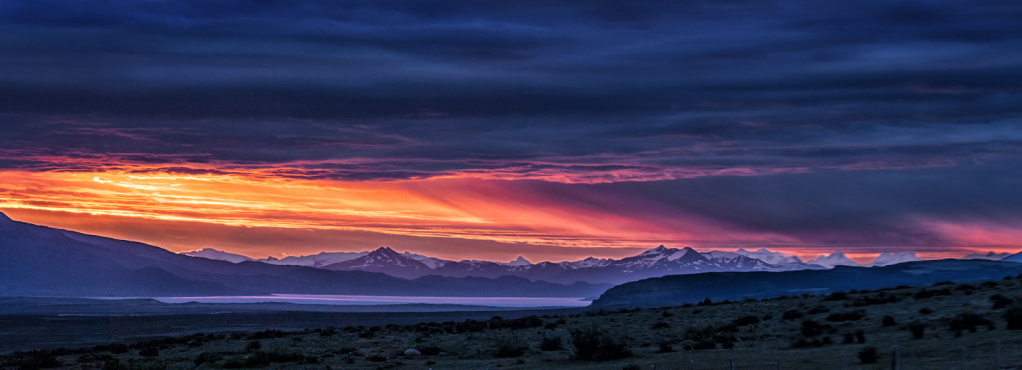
(659, 249)
(385, 250)
(520, 261)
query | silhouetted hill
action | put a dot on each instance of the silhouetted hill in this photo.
(717, 286)
(42, 261)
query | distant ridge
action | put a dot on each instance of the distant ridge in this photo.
(718, 286)
(42, 261)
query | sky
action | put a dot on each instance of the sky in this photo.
(554, 130)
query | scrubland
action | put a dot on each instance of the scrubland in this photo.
(944, 326)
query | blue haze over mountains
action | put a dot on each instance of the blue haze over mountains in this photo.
(45, 262)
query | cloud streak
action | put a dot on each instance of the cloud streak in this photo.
(600, 123)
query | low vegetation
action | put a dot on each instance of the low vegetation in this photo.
(934, 326)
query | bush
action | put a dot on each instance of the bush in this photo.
(510, 346)
(665, 347)
(592, 344)
(888, 320)
(1014, 316)
(661, 325)
(254, 345)
(868, 355)
(849, 339)
(551, 344)
(811, 328)
(925, 311)
(747, 320)
(968, 321)
(792, 315)
(917, 329)
(836, 296)
(1000, 301)
(377, 358)
(818, 309)
(429, 350)
(860, 336)
(847, 316)
(667, 314)
(205, 357)
(550, 326)
(149, 352)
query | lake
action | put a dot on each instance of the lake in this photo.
(385, 300)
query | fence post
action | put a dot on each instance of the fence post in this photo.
(894, 358)
(999, 354)
(693, 363)
(731, 361)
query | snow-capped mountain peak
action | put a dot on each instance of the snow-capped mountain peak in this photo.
(986, 256)
(431, 262)
(771, 257)
(834, 259)
(885, 259)
(658, 250)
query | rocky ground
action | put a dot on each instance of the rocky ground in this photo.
(944, 326)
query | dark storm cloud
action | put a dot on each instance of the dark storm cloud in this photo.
(568, 91)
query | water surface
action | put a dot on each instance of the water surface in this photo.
(385, 300)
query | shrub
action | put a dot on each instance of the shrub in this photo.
(593, 344)
(868, 355)
(846, 316)
(888, 320)
(257, 359)
(968, 321)
(811, 328)
(802, 343)
(792, 315)
(254, 345)
(377, 358)
(849, 339)
(149, 352)
(925, 311)
(836, 296)
(1014, 316)
(667, 314)
(1000, 301)
(510, 346)
(665, 347)
(922, 294)
(661, 325)
(328, 331)
(205, 357)
(550, 326)
(818, 309)
(429, 350)
(551, 344)
(917, 329)
(860, 336)
(747, 320)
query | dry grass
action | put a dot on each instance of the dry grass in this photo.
(767, 344)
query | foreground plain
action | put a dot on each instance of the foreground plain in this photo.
(963, 326)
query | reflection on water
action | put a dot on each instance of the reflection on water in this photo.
(385, 300)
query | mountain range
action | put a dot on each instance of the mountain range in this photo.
(42, 261)
(656, 262)
(681, 289)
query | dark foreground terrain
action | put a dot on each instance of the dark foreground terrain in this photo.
(943, 326)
